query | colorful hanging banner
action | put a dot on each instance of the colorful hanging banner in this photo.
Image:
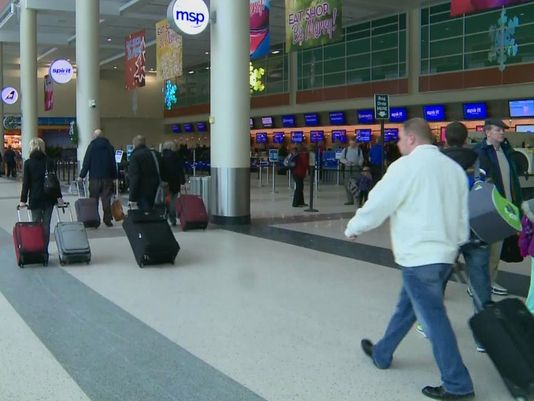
(48, 93)
(459, 7)
(134, 60)
(311, 23)
(168, 51)
(260, 36)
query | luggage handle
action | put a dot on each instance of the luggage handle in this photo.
(65, 205)
(84, 186)
(30, 217)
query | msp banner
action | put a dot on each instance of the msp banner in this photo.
(312, 23)
(168, 51)
(48, 93)
(134, 63)
(260, 35)
(459, 7)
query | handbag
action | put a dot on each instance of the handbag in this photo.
(510, 250)
(116, 209)
(51, 184)
(491, 216)
(159, 199)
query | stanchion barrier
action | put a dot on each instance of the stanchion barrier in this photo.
(312, 175)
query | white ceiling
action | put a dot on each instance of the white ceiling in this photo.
(56, 27)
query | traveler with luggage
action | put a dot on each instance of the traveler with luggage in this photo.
(424, 194)
(144, 175)
(352, 160)
(10, 160)
(99, 162)
(495, 159)
(40, 186)
(175, 178)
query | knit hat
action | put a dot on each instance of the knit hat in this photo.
(528, 209)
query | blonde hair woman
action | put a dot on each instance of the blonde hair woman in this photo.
(40, 203)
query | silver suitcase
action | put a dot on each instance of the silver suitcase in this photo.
(71, 239)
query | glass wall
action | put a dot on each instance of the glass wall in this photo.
(464, 43)
(370, 51)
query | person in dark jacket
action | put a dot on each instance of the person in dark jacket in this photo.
(175, 178)
(143, 175)
(40, 203)
(298, 161)
(476, 253)
(10, 159)
(495, 154)
(99, 162)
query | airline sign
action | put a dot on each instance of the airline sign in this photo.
(61, 71)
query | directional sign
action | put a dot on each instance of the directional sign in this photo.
(381, 107)
(273, 155)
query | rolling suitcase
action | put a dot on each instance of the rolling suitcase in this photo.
(150, 237)
(86, 208)
(192, 212)
(71, 239)
(30, 243)
(506, 330)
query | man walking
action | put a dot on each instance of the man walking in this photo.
(495, 159)
(424, 194)
(99, 162)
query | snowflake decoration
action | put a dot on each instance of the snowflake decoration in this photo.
(256, 84)
(502, 36)
(170, 94)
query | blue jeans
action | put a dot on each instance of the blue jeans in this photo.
(477, 259)
(422, 295)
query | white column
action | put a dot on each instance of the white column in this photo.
(414, 49)
(230, 109)
(88, 72)
(1, 102)
(28, 75)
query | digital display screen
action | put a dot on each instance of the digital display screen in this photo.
(434, 112)
(188, 127)
(475, 111)
(176, 129)
(316, 136)
(339, 136)
(297, 137)
(251, 122)
(525, 128)
(398, 114)
(202, 126)
(261, 137)
(267, 122)
(366, 116)
(337, 118)
(391, 134)
(521, 108)
(311, 120)
(278, 137)
(363, 135)
(289, 121)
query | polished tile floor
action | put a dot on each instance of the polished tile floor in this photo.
(273, 311)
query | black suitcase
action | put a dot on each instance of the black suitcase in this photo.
(506, 330)
(151, 237)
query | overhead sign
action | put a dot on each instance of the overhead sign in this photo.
(10, 95)
(189, 16)
(381, 107)
(61, 71)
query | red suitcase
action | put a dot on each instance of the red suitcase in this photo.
(29, 240)
(191, 211)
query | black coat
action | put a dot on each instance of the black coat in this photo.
(143, 174)
(174, 172)
(10, 157)
(99, 160)
(33, 181)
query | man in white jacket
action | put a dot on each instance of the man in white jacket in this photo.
(424, 194)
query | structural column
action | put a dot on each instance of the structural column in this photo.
(28, 75)
(1, 102)
(230, 110)
(88, 72)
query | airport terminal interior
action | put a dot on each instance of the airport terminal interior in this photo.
(270, 304)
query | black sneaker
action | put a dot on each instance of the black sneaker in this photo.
(439, 393)
(108, 223)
